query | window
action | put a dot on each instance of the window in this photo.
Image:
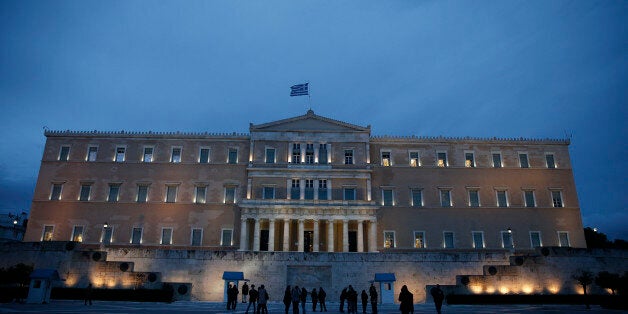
(507, 239)
(203, 156)
(549, 160)
(309, 153)
(171, 193)
(166, 236)
(419, 239)
(64, 153)
(417, 197)
(296, 153)
(469, 160)
(230, 195)
(474, 198)
(148, 154)
(389, 239)
(563, 238)
(107, 235)
(557, 199)
(322, 154)
(535, 239)
(47, 233)
(55, 193)
(225, 240)
(269, 193)
(136, 236)
(502, 200)
(322, 189)
(387, 197)
(270, 156)
(348, 156)
(142, 193)
(175, 155)
(445, 198)
(233, 156)
(77, 234)
(414, 159)
(309, 189)
(120, 153)
(529, 198)
(92, 153)
(523, 160)
(295, 191)
(197, 237)
(85, 191)
(349, 194)
(386, 159)
(199, 198)
(497, 160)
(478, 239)
(448, 239)
(114, 191)
(441, 159)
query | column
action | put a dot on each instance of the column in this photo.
(301, 189)
(316, 147)
(345, 235)
(303, 145)
(328, 153)
(286, 235)
(373, 236)
(256, 236)
(249, 187)
(368, 189)
(330, 235)
(271, 235)
(316, 248)
(316, 189)
(360, 237)
(288, 188)
(244, 236)
(300, 232)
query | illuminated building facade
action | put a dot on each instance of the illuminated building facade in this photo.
(305, 184)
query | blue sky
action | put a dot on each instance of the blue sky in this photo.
(453, 68)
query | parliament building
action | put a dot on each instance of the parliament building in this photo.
(305, 184)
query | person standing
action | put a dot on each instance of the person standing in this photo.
(321, 299)
(343, 297)
(438, 296)
(296, 297)
(314, 299)
(373, 294)
(365, 301)
(252, 299)
(352, 300)
(234, 298)
(287, 298)
(245, 292)
(303, 298)
(88, 294)
(406, 300)
(262, 299)
(229, 296)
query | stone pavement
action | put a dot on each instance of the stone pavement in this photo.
(70, 307)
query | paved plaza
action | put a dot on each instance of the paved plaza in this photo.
(69, 306)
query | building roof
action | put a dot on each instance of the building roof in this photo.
(308, 122)
(233, 275)
(385, 277)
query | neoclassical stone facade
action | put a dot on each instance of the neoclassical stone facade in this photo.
(305, 184)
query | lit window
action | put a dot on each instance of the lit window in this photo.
(197, 236)
(549, 159)
(445, 198)
(448, 239)
(270, 155)
(441, 159)
(269, 192)
(85, 191)
(523, 160)
(107, 235)
(349, 194)
(136, 236)
(77, 234)
(389, 239)
(55, 194)
(563, 239)
(166, 236)
(230, 195)
(120, 153)
(199, 198)
(171, 193)
(92, 153)
(203, 156)
(295, 191)
(175, 156)
(557, 199)
(497, 160)
(478, 239)
(309, 153)
(414, 159)
(322, 154)
(64, 153)
(142, 193)
(148, 154)
(507, 239)
(348, 156)
(322, 189)
(47, 233)
(309, 189)
(535, 239)
(226, 237)
(417, 197)
(233, 156)
(296, 153)
(419, 239)
(474, 198)
(502, 200)
(529, 198)
(387, 197)
(469, 160)
(114, 191)
(386, 159)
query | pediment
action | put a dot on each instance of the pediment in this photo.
(309, 122)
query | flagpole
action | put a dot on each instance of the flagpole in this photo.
(309, 94)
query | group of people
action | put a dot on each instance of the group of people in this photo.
(256, 297)
(406, 299)
(295, 295)
(350, 296)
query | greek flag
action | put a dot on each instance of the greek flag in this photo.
(299, 90)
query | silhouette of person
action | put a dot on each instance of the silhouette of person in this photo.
(439, 296)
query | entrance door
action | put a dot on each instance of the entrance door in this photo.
(353, 241)
(263, 240)
(308, 241)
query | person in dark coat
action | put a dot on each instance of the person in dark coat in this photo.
(303, 298)
(352, 300)
(229, 296)
(88, 294)
(314, 295)
(296, 297)
(438, 296)
(373, 294)
(262, 300)
(252, 299)
(287, 298)
(234, 298)
(245, 292)
(322, 295)
(365, 301)
(406, 300)
(343, 297)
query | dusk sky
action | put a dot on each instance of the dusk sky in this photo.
(534, 69)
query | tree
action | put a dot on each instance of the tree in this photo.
(584, 278)
(595, 240)
(608, 280)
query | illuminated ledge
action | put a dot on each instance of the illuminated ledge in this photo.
(466, 139)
